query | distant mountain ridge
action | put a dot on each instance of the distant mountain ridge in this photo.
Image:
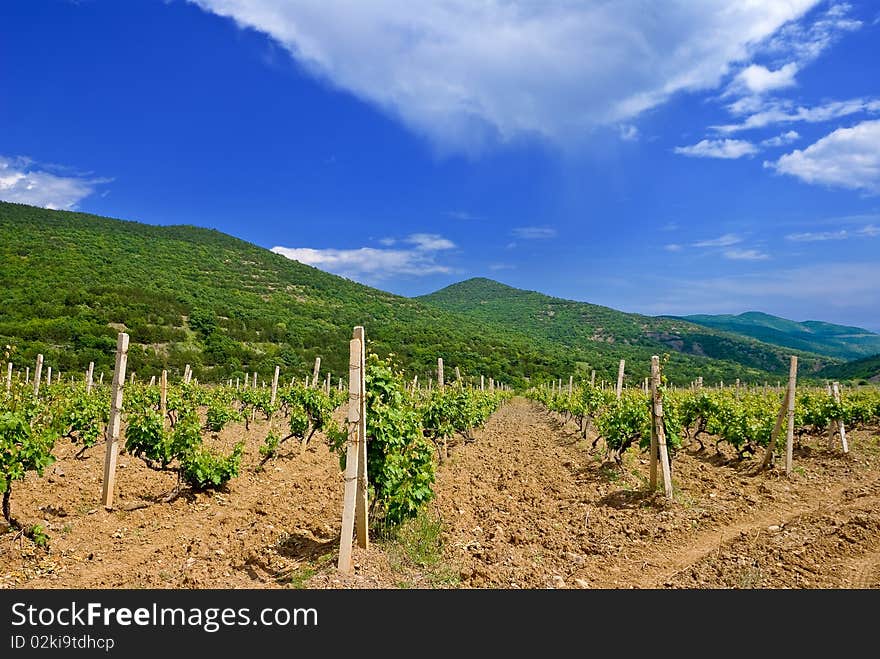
(611, 334)
(823, 338)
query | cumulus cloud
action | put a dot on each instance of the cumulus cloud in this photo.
(467, 74)
(25, 182)
(781, 140)
(534, 233)
(371, 264)
(757, 79)
(727, 149)
(726, 240)
(847, 158)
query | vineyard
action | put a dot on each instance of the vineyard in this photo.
(241, 484)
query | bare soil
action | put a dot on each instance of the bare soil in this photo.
(527, 505)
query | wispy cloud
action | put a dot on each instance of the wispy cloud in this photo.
(501, 266)
(781, 112)
(534, 233)
(726, 240)
(463, 215)
(846, 158)
(24, 181)
(745, 255)
(757, 79)
(371, 264)
(672, 247)
(868, 231)
(728, 149)
(628, 132)
(471, 74)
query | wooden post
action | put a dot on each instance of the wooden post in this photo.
(593, 378)
(570, 385)
(658, 433)
(37, 373)
(89, 377)
(131, 378)
(101, 379)
(152, 380)
(840, 428)
(49, 377)
(9, 376)
(315, 372)
(247, 380)
(327, 384)
(275, 385)
(360, 514)
(254, 386)
(112, 429)
(27, 374)
(491, 385)
(700, 382)
(163, 395)
(620, 377)
(831, 424)
(351, 456)
(440, 372)
(789, 436)
(482, 383)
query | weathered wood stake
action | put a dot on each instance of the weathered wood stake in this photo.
(840, 428)
(658, 435)
(37, 374)
(112, 429)
(351, 457)
(620, 370)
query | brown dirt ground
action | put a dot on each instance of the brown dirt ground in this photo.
(527, 505)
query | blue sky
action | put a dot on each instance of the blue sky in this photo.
(712, 157)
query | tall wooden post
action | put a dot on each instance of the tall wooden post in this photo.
(658, 434)
(840, 428)
(163, 395)
(620, 377)
(152, 380)
(440, 372)
(593, 378)
(491, 385)
(275, 385)
(482, 382)
(315, 372)
(254, 386)
(789, 436)
(570, 385)
(112, 429)
(351, 456)
(247, 380)
(37, 373)
(360, 513)
(9, 376)
(27, 374)
(49, 377)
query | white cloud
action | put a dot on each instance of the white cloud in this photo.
(758, 79)
(672, 247)
(779, 112)
(387, 242)
(847, 158)
(781, 140)
(867, 231)
(817, 236)
(726, 240)
(728, 149)
(429, 242)
(745, 255)
(471, 73)
(463, 215)
(501, 266)
(806, 42)
(534, 233)
(24, 182)
(369, 263)
(628, 132)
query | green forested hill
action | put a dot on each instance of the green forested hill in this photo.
(69, 281)
(608, 335)
(867, 368)
(811, 335)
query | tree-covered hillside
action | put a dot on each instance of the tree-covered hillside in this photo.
(70, 281)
